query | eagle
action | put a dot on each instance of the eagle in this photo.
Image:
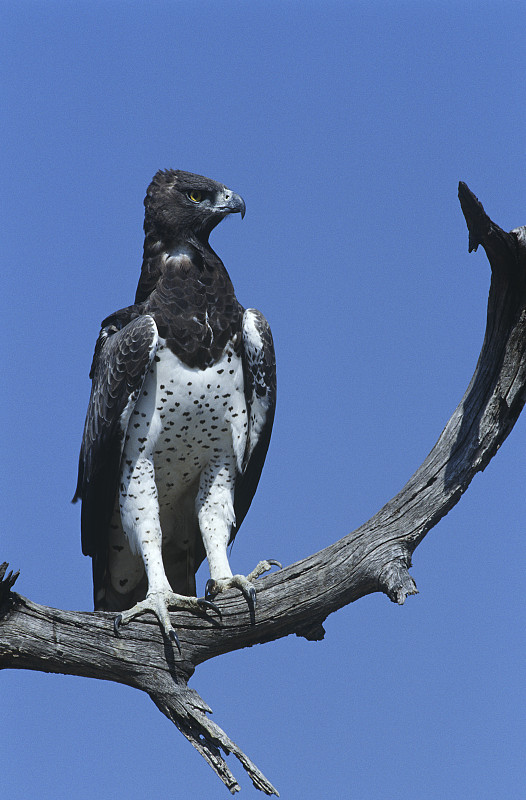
(179, 418)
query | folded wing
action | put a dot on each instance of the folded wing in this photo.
(259, 366)
(120, 364)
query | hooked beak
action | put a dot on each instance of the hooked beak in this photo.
(233, 203)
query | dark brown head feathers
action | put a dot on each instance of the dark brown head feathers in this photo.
(181, 203)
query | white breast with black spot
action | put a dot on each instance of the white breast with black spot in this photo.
(185, 420)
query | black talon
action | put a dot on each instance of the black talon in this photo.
(174, 637)
(209, 588)
(251, 599)
(204, 603)
(274, 563)
(116, 624)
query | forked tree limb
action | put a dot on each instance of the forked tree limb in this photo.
(374, 557)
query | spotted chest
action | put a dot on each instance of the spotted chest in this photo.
(187, 419)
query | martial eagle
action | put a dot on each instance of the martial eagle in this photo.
(179, 419)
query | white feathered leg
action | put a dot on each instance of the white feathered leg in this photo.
(215, 511)
(140, 520)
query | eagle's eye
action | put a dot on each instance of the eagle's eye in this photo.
(195, 196)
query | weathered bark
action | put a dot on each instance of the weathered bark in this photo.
(375, 557)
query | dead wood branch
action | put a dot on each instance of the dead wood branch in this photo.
(375, 557)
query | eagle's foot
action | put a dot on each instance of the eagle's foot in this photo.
(262, 567)
(241, 582)
(159, 603)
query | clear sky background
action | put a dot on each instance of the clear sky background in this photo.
(346, 128)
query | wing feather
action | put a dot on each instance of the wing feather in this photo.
(259, 367)
(120, 364)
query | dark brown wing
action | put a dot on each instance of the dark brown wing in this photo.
(120, 363)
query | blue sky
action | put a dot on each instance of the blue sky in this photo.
(346, 128)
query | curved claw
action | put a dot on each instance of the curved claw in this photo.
(209, 588)
(252, 599)
(174, 637)
(204, 603)
(116, 624)
(274, 563)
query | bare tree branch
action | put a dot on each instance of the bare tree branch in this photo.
(375, 557)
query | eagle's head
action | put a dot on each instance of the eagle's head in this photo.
(179, 202)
